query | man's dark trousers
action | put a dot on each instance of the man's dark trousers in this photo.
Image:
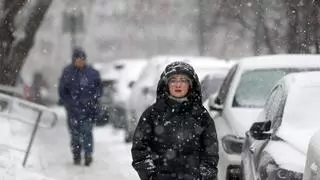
(80, 129)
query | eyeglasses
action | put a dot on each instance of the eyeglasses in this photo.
(173, 82)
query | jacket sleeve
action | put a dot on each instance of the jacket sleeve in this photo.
(141, 150)
(98, 85)
(63, 91)
(209, 154)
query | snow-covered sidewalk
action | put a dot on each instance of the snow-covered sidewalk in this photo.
(112, 158)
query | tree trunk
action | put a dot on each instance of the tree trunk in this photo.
(259, 34)
(201, 28)
(309, 25)
(11, 66)
(11, 9)
(292, 32)
(316, 29)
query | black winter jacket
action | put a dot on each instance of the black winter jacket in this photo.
(176, 140)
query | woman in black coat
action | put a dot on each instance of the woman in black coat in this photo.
(175, 138)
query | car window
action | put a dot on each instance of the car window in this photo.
(255, 86)
(108, 89)
(274, 107)
(224, 89)
(210, 86)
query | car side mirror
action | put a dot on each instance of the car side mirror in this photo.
(130, 85)
(215, 103)
(259, 130)
(145, 90)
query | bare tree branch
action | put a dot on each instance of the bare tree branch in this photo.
(7, 26)
(268, 40)
(19, 51)
(244, 23)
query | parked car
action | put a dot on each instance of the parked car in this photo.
(21, 89)
(211, 83)
(12, 91)
(106, 102)
(35, 89)
(126, 80)
(242, 96)
(108, 75)
(276, 145)
(144, 92)
(118, 77)
(312, 167)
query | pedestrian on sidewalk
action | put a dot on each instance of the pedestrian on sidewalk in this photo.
(80, 89)
(175, 138)
(39, 85)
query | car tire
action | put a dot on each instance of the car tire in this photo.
(128, 137)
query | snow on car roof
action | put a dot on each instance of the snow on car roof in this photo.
(302, 79)
(109, 70)
(278, 61)
(220, 73)
(202, 65)
(193, 60)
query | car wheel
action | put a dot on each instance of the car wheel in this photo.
(128, 137)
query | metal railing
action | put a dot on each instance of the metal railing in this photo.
(7, 104)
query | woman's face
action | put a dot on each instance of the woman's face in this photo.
(179, 85)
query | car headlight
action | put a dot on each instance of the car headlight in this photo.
(232, 144)
(271, 171)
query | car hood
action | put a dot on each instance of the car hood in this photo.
(286, 156)
(298, 138)
(242, 119)
(294, 143)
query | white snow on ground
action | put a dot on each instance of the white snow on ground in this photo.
(51, 157)
(11, 155)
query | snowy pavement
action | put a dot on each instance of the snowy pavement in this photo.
(51, 156)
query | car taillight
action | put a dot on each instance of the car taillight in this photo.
(26, 92)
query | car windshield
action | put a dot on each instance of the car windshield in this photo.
(210, 86)
(108, 90)
(254, 86)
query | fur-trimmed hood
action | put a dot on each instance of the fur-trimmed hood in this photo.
(179, 68)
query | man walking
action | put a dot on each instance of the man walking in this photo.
(79, 90)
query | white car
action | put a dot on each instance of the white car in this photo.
(211, 83)
(127, 77)
(241, 98)
(144, 91)
(117, 77)
(276, 145)
(312, 167)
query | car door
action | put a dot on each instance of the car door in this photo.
(253, 147)
(222, 127)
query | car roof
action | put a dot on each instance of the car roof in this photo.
(195, 61)
(11, 90)
(108, 70)
(302, 79)
(202, 65)
(279, 61)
